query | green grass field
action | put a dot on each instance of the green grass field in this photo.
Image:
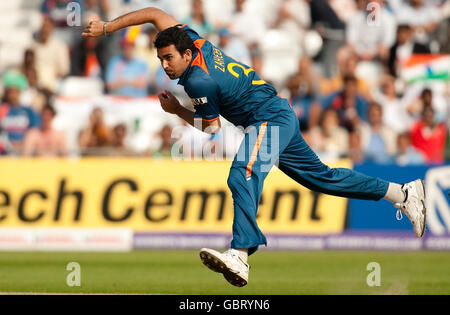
(272, 272)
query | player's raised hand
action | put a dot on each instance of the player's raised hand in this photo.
(94, 28)
(169, 103)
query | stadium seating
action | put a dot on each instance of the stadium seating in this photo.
(8, 6)
(18, 23)
(12, 46)
(280, 57)
(81, 87)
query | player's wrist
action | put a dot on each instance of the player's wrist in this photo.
(178, 110)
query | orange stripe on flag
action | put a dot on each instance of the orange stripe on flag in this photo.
(262, 131)
(418, 59)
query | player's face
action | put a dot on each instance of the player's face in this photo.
(173, 63)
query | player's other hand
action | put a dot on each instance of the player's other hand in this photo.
(169, 103)
(94, 28)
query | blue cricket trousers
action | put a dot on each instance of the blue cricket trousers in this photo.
(274, 137)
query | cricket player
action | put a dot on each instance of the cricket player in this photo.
(219, 85)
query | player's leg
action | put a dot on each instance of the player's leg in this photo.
(300, 163)
(257, 154)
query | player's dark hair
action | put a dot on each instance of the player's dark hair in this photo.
(175, 36)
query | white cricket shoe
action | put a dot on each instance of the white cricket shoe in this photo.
(414, 206)
(233, 268)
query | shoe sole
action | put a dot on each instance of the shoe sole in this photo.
(217, 265)
(424, 210)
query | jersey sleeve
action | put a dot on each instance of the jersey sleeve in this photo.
(204, 95)
(192, 34)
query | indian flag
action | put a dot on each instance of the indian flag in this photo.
(425, 67)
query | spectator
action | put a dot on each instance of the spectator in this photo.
(85, 61)
(52, 57)
(429, 137)
(395, 114)
(443, 29)
(149, 54)
(325, 20)
(96, 134)
(351, 107)
(422, 17)
(198, 21)
(33, 96)
(304, 94)
(90, 56)
(127, 75)
(355, 152)
(347, 61)
(329, 140)
(119, 134)
(100, 8)
(345, 9)
(377, 140)
(118, 145)
(404, 47)
(309, 78)
(57, 12)
(166, 142)
(29, 60)
(247, 25)
(4, 142)
(257, 62)
(426, 99)
(415, 109)
(294, 17)
(45, 141)
(234, 47)
(371, 41)
(447, 146)
(406, 153)
(15, 119)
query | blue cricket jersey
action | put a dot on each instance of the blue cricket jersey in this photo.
(220, 85)
(17, 120)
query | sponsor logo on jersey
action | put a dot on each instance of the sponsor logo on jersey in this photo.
(199, 101)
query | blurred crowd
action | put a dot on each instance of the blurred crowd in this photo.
(342, 64)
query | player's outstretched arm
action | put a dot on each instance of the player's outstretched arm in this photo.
(157, 17)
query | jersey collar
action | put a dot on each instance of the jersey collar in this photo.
(185, 75)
